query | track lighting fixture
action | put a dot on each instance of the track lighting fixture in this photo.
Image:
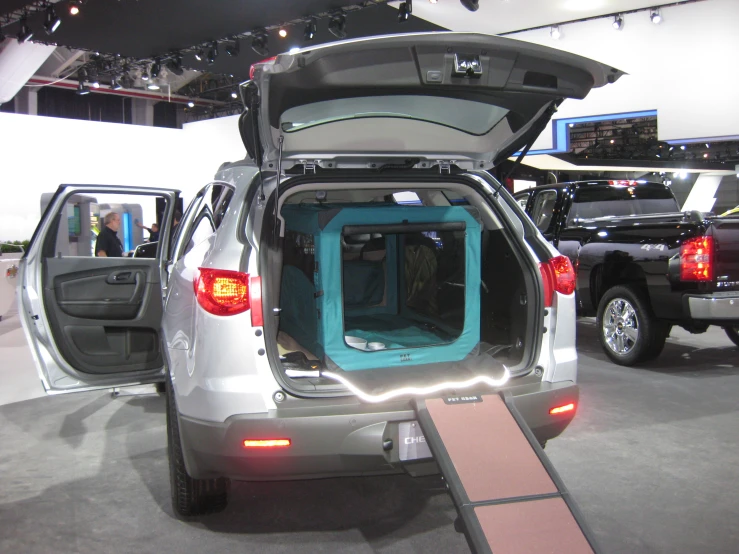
(190, 104)
(174, 64)
(472, 5)
(554, 32)
(337, 25)
(144, 75)
(259, 43)
(74, 7)
(24, 33)
(234, 95)
(199, 55)
(310, 29)
(213, 52)
(52, 22)
(156, 68)
(115, 84)
(282, 32)
(82, 88)
(405, 10)
(655, 16)
(153, 86)
(233, 48)
(618, 22)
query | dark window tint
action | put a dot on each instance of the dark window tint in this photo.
(616, 201)
(543, 210)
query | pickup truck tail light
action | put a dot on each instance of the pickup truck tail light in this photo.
(559, 276)
(696, 259)
(222, 292)
(254, 66)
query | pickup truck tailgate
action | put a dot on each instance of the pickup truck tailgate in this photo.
(725, 232)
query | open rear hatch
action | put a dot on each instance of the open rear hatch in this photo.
(467, 98)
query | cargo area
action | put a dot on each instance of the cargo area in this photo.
(398, 287)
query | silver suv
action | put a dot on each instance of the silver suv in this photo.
(362, 255)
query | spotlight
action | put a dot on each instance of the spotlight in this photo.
(144, 75)
(293, 50)
(571, 125)
(705, 155)
(259, 44)
(52, 21)
(612, 141)
(82, 89)
(234, 95)
(174, 64)
(472, 5)
(337, 25)
(24, 33)
(233, 49)
(74, 7)
(708, 145)
(199, 55)
(152, 86)
(618, 22)
(554, 32)
(405, 10)
(156, 68)
(213, 52)
(191, 104)
(655, 16)
(310, 29)
(282, 32)
(115, 84)
(95, 84)
(682, 147)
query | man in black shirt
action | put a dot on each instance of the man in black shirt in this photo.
(153, 231)
(108, 245)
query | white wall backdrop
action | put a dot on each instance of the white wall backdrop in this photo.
(39, 153)
(685, 68)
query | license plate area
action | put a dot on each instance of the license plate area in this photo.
(412, 444)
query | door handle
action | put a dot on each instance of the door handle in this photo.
(125, 277)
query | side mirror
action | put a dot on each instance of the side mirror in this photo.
(146, 250)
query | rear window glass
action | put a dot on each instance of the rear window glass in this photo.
(474, 118)
(591, 203)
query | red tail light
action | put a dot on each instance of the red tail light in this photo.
(559, 276)
(266, 443)
(696, 259)
(222, 292)
(563, 409)
(254, 66)
(255, 298)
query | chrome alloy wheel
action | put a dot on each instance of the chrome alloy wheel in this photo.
(620, 326)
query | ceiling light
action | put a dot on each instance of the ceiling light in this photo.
(152, 86)
(705, 155)
(74, 7)
(310, 29)
(708, 145)
(52, 21)
(612, 141)
(571, 125)
(144, 75)
(405, 10)
(655, 16)
(190, 104)
(471, 5)
(199, 55)
(259, 44)
(115, 84)
(24, 33)
(282, 32)
(95, 84)
(82, 89)
(234, 95)
(672, 148)
(156, 68)
(554, 32)
(682, 147)
(212, 53)
(618, 22)
(337, 25)
(233, 48)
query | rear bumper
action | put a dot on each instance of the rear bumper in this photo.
(341, 439)
(714, 307)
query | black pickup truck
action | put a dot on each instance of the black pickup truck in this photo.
(642, 265)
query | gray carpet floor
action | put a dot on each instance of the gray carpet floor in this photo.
(651, 460)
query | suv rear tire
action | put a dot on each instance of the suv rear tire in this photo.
(190, 497)
(733, 334)
(628, 331)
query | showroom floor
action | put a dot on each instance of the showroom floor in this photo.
(651, 460)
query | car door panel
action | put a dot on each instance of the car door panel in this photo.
(93, 322)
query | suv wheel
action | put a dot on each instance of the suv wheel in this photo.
(733, 334)
(190, 497)
(627, 330)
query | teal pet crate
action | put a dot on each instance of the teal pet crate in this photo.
(370, 273)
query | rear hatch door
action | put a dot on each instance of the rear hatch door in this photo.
(468, 98)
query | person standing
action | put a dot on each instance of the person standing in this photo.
(108, 245)
(153, 231)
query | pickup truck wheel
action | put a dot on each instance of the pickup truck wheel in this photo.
(190, 497)
(733, 334)
(628, 331)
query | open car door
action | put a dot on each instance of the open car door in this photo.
(94, 322)
(466, 99)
